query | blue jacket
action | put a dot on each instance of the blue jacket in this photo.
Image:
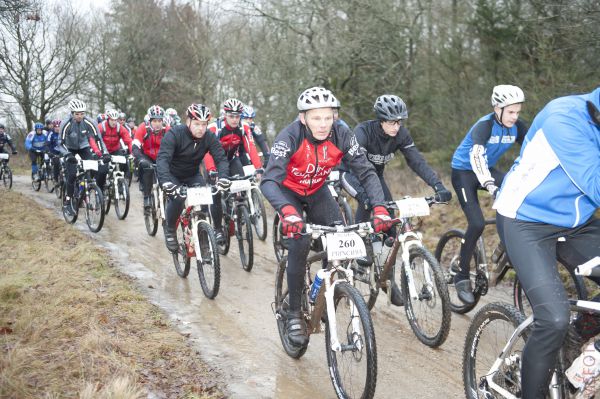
(54, 142)
(36, 142)
(556, 179)
(496, 138)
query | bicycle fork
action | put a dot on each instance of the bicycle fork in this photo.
(412, 290)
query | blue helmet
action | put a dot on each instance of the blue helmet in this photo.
(248, 112)
(38, 125)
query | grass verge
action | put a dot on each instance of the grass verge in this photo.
(73, 326)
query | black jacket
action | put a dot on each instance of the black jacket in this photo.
(380, 149)
(180, 154)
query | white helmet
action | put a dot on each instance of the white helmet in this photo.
(504, 95)
(76, 105)
(112, 114)
(171, 112)
(316, 97)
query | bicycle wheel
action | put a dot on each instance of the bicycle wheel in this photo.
(7, 178)
(227, 227)
(488, 334)
(259, 218)
(94, 208)
(346, 211)
(59, 185)
(575, 286)
(281, 308)
(353, 369)
(429, 313)
(243, 232)
(181, 260)
(209, 268)
(122, 198)
(151, 219)
(278, 243)
(108, 196)
(73, 202)
(447, 254)
(47, 180)
(36, 184)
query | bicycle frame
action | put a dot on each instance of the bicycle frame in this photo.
(159, 197)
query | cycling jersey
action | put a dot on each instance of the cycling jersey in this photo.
(77, 136)
(556, 178)
(36, 142)
(112, 136)
(302, 164)
(54, 142)
(148, 141)
(381, 148)
(6, 139)
(236, 142)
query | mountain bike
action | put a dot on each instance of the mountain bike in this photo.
(88, 194)
(59, 184)
(157, 211)
(196, 238)
(236, 219)
(36, 181)
(5, 171)
(447, 253)
(349, 335)
(406, 263)
(493, 351)
(335, 188)
(256, 204)
(47, 176)
(117, 188)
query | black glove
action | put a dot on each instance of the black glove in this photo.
(171, 189)
(212, 176)
(106, 159)
(224, 183)
(14, 152)
(70, 158)
(144, 164)
(259, 171)
(441, 193)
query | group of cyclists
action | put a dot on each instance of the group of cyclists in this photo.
(552, 191)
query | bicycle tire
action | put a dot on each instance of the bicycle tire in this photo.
(94, 204)
(122, 200)
(209, 263)
(151, 219)
(36, 184)
(59, 185)
(7, 178)
(428, 297)
(277, 237)
(345, 294)
(484, 323)
(70, 218)
(224, 245)
(244, 235)
(281, 306)
(181, 260)
(447, 253)
(108, 196)
(259, 219)
(49, 188)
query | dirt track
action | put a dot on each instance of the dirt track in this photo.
(237, 334)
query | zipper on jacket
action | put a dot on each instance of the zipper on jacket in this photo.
(316, 166)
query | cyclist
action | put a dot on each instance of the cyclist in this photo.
(79, 136)
(113, 133)
(236, 139)
(49, 126)
(145, 148)
(175, 119)
(54, 148)
(123, 122)
(248, 115)
(131, 126)
(336, 116)
(302, 156)
(36, 143)
(473, 169)
(552, 191)
(6, 139)
(380, 139)
(179, 158)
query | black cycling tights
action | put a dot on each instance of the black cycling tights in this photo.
(465, 185)
(534, 249)
(321, 208)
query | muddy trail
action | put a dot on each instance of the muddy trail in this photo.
(236, 332)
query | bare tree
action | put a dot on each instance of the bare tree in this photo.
(44, 62)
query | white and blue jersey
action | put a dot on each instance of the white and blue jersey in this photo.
(495, 138)
(556, 179)
(36, 142)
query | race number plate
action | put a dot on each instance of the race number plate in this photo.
(89, 164)
(249, 170)
(118, 159)
(343, 246)
(199, 196)
(410, 207)
(334, 175)
(237, 186)
(3, 156)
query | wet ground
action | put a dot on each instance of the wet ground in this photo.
(236, 332)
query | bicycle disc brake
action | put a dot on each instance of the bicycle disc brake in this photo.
(481, 284)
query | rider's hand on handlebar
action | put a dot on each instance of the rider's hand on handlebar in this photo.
(224, 183)
(381, 219)
(291, 222)
(170, 189)
(106, 158)
(492, 189)
(442, 194)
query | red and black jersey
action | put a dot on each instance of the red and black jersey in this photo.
(302, 164)
(236, 142)
(148, 140)
(113, 135)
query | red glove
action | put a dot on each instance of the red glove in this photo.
(381, 219)
(291, 222)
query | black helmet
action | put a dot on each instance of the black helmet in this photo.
(390, 108)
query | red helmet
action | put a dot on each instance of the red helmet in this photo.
(233, 106)
(156, 112)
(198, 112)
